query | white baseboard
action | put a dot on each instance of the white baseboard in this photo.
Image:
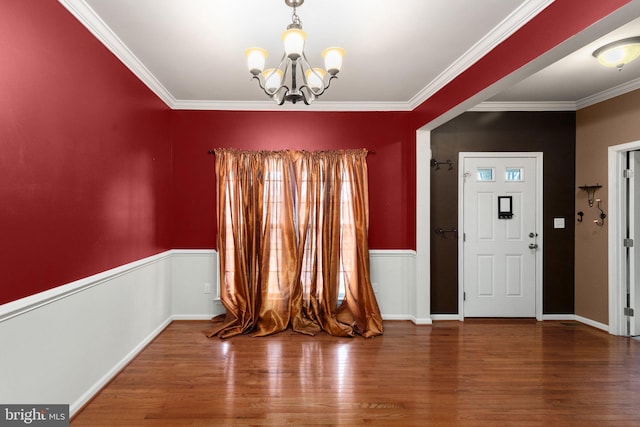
(550, 317)
(593, 323)
(412, 319)
(558, 317)
(445, 317)
(422, 321)
(191, 317)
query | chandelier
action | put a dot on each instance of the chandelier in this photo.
(294, 79)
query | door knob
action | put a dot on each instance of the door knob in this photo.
(532, 235)
(533, 246)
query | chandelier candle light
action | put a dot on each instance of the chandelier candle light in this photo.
(274, 80)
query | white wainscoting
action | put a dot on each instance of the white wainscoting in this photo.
(393, 276)
(63, 345)
(192, 269)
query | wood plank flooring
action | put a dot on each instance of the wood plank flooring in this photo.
(476, 373)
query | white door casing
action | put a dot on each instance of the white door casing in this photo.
(500, 275)
(633, 218)
(617, 253)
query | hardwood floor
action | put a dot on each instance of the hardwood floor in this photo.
(477, 372)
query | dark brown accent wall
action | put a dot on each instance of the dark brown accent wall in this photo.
(553, 134)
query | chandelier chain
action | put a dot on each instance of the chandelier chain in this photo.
(295, 19)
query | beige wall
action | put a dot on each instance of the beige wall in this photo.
(598, 127)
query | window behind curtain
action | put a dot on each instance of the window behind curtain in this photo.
(274, 186)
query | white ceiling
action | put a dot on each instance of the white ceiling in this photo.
(191, 52)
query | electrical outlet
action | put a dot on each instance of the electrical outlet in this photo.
(207, 288)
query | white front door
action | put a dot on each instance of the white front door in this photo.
(500, 236)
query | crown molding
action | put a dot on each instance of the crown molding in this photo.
(272, 106)
(96, 26)
(512, 23)
(524, 106)
(608, 94)
(605, 95)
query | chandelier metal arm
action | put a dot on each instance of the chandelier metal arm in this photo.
(294, 93)
(304, 98)
(293, 75)
(321, 91)
(284, 66)
(273, 94)
(260, 84)
(281, 100)
(304, 63)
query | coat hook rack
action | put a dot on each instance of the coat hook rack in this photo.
(443, 233)
(580, 215)
(591, 192)
(436, 164)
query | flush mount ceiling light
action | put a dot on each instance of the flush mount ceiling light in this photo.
(294, 79)
(618, 54)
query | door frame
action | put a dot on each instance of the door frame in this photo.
(633, 272)
(539, 222)
(617, 261)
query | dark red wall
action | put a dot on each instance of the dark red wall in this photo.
(391, 168)
(84, 154)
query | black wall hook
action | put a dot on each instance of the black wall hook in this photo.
(443, 232)
(436, 164)
(600, 222)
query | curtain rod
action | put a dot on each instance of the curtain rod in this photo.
(368, 151)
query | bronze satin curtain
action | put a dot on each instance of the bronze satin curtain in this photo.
(292, 232)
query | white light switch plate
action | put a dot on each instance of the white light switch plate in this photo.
(558, 222)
